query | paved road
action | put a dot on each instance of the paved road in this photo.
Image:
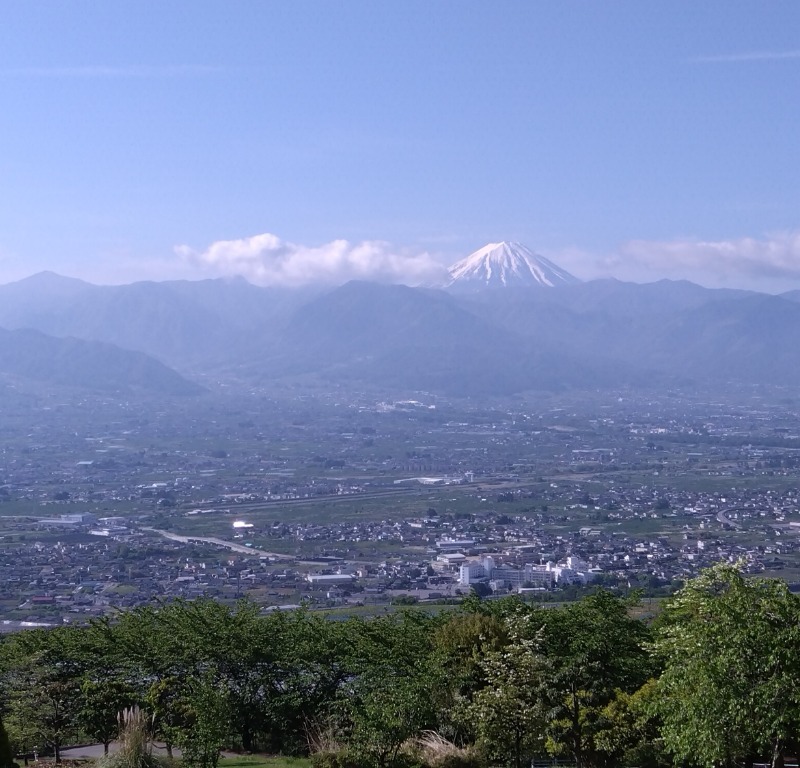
(229, 545)
(96, 750)
(219, 542)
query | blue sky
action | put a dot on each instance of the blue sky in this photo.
(293, 140)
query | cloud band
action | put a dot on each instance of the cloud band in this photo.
(265, 259)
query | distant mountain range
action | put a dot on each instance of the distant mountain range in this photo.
(509, 321)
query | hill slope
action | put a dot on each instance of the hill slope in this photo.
(30, 354)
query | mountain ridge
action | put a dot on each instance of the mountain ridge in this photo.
(595, 334)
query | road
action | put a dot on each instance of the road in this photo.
(93, 751)
(219, 542)
(229, 545)
(725, 520)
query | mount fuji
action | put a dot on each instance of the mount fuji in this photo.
(507, 265)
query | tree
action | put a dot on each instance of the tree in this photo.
(44, 706)
(44, 672)
(208, 721)
(163, 699)
(481, 589)
(629, 732)
(594, 649)
(300, 675)
(509, 711)
(460, 647)
(171, 646)
(730, 689)
(102, 702)
(394, 687)
(387, 710)
(462, 644)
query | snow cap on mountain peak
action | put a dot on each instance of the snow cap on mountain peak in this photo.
(507, 265)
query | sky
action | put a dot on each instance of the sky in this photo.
(304, 141)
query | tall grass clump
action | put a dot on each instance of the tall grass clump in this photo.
(135, 747)
(434, 750)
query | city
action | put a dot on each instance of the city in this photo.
(337, 503)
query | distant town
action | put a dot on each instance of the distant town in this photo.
(364, 502)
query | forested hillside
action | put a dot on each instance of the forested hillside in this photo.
(714, 680)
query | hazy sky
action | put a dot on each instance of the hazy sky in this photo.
(283, 140)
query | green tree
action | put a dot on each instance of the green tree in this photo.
(730, 689)
(164, 700)
(42, 675)
(594, 649)
(481, 589)
(44, 706)
(387, 710)
(460, 648)
(304, 662)
(393, 690)
(102, 701)
(509, 711)
(629, 732)
(208, 721)
(169, 647)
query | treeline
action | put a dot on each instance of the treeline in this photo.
(715, 680)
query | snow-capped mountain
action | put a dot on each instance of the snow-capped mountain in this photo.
(507, 265)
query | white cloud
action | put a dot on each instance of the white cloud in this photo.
(775, 256)
(265, 259)
(770, 263)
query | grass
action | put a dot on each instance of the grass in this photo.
(264, 761)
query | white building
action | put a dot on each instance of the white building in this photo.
(328, 579)
(573, 571)
(504, 576)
